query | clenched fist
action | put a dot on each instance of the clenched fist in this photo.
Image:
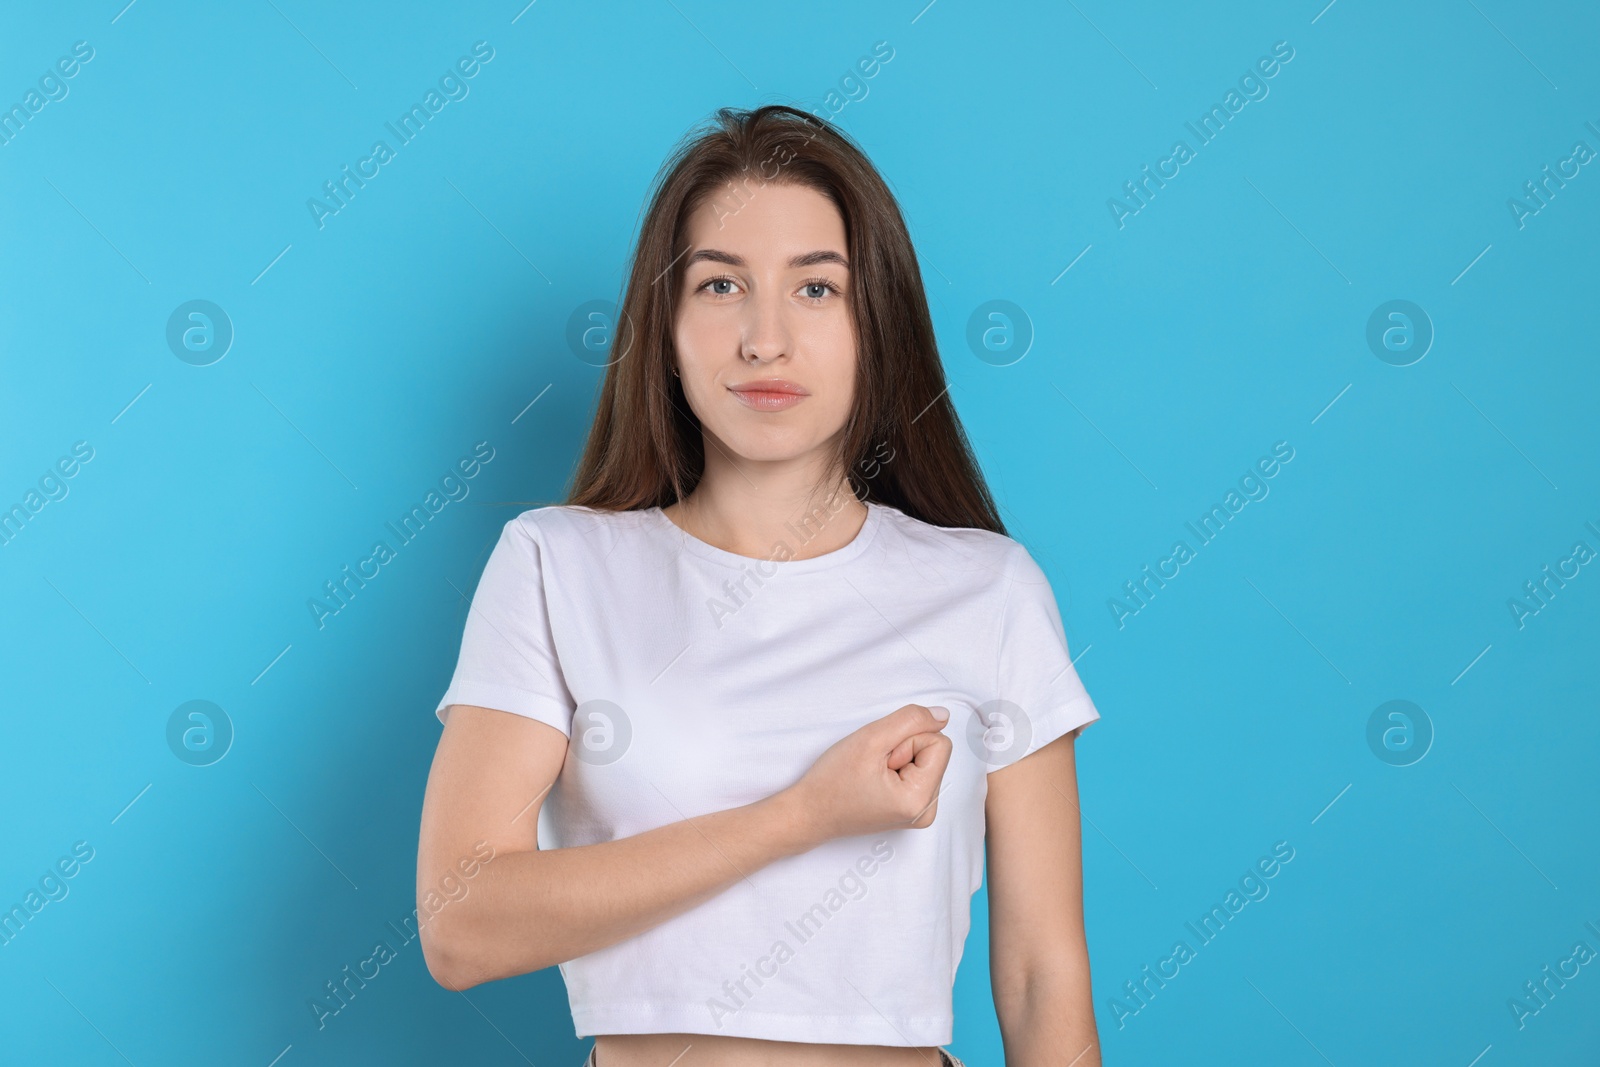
(884, 776)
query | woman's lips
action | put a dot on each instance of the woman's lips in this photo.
(763, 400)
(775, 398)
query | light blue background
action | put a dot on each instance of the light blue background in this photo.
(1229, 314)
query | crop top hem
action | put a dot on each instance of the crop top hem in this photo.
(656, 1017)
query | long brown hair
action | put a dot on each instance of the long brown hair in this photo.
(903, 444)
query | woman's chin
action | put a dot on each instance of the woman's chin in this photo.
(771, 447)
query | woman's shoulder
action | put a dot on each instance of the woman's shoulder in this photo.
(994, 550)
(555, 521)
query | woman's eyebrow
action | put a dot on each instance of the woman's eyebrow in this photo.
(806, 259)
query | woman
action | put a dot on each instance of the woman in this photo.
(760, 686)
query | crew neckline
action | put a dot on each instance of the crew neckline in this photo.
(843, 554)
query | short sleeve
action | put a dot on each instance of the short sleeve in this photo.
(508, 659)
(1037, 683)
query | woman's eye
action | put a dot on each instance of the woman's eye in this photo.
(814, 290)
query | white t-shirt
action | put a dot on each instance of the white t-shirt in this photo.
(690, 679)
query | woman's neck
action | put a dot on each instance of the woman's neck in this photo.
(751, 519)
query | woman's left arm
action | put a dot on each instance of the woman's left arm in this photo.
(1038, 954)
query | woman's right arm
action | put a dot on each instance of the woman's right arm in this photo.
(528, 909)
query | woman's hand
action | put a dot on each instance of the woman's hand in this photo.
(884, 776)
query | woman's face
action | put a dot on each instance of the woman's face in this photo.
(765, 302)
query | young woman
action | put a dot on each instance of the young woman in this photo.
(736, 723)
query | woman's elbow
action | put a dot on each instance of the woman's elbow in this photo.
(450, 964)
(458, 958)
